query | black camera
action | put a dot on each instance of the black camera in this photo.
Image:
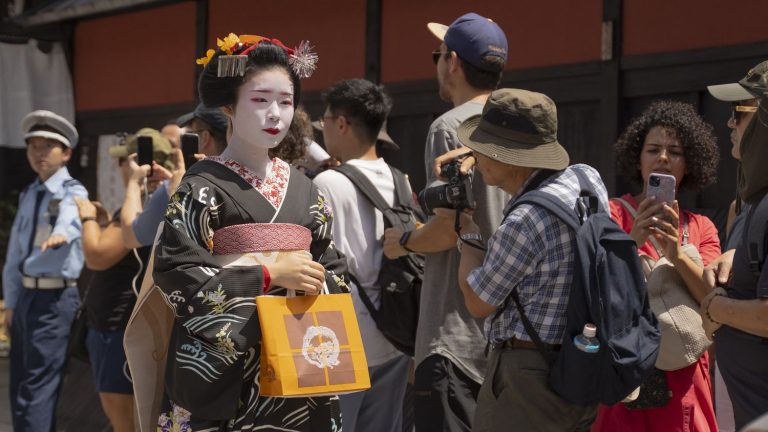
(457, 194)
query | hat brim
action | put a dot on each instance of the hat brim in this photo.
(550, 155)
(730, 92)
(437, 29)
(186, 119)
(49, 135)
(118, 151)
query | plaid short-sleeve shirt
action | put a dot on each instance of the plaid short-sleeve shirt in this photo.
(533, 250)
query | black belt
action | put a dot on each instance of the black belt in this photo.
(522, 344)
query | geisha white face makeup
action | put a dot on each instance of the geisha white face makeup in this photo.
(264, 108)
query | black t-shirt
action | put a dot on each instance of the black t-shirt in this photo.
(110, 298)
(746, 285)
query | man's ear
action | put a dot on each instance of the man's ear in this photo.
(454, 62)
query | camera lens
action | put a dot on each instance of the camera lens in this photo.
(434, 197)
(654, 181)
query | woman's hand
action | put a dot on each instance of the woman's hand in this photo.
(646, 215)
(666, 229)
(297, 271)
(85, 207)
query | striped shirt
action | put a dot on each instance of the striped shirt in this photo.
(533, 251)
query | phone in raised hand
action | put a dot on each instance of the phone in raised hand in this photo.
(145, 155)
(190, 145)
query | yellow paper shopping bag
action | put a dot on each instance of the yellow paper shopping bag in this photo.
(311, 346)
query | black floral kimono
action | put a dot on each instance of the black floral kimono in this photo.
(212, 377)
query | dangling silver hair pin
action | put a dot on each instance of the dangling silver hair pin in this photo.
(232, 65)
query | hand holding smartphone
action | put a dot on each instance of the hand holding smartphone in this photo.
(145, 152)
(190, 145)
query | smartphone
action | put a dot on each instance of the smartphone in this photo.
(661, 186)
(145, 156)
(190, 145)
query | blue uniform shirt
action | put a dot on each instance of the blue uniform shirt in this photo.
(45, 209)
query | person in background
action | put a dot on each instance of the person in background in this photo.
(736, 315)
(743, 109)
(43, 262)
(450, 360)
(172, 132)
(140, 219)
(111, 294)
(669, 138)
(354, 112)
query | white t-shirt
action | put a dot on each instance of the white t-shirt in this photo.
(358, 232)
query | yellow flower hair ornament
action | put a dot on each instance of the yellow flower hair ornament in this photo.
(302, 60)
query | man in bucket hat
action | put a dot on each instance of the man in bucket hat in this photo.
(450, 363)
(42, 265)
(515, 143)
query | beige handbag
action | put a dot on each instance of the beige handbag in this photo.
(683, 340)
(146, 348)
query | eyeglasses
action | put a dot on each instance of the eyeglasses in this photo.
(737, 111)
(436, 55)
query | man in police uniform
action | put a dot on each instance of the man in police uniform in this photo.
(42, 265)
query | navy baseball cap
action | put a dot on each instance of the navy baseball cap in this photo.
(213, 117)
(477, 40)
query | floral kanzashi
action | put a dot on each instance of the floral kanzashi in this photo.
(203, 61)
(228, 44)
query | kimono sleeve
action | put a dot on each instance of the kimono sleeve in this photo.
(323, 249)
(214, 304)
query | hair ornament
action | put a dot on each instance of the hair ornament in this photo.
(303, 60)
(232, 63)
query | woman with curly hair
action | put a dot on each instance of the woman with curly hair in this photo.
(669, 138)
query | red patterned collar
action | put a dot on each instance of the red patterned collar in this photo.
(275, 185)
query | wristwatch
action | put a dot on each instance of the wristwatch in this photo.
(404, 240)
(468, 237)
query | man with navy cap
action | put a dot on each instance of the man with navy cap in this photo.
(450, 360)
(42, 265)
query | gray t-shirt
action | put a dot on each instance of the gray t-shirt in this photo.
(445, 326)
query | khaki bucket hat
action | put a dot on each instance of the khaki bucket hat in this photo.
(517, 127)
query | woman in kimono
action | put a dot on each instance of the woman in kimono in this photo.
(212, 378)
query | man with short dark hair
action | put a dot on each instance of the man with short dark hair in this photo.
(532, 254)
(449, 341)
(354, 113)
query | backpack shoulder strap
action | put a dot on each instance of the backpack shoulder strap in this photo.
(364, 185)
(757, 221)
(402, 188)
(552, 205)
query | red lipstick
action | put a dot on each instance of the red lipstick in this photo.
(272, 131)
